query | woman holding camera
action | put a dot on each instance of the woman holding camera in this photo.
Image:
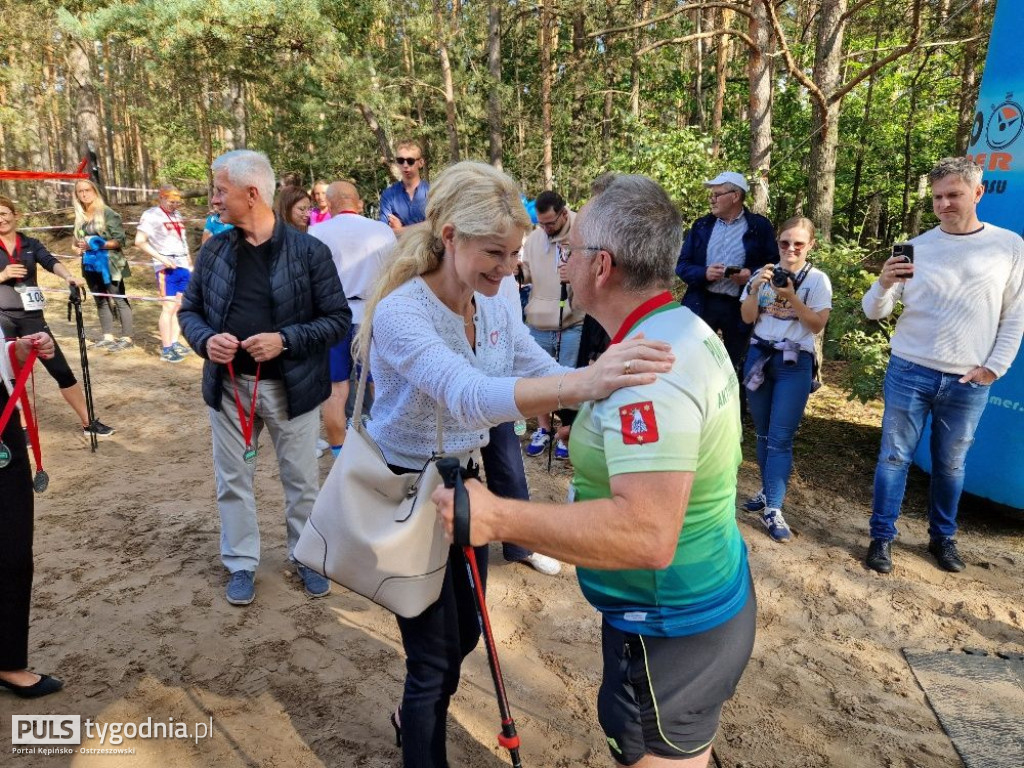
(788, 303)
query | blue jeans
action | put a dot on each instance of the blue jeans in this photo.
(912, 392)
(777, 407)
(568, 347)
(435, 644)
(506, 475)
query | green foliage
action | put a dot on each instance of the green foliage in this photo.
(680, 160)
(850, 336)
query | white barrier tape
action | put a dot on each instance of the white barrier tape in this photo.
(71, 226)
(75, 258)
(119, 189)
(64, 292)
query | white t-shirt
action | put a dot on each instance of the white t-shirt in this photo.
(777, 319)
(964, 306)
(361, 248)
(166, 233)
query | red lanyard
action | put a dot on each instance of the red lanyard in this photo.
(15, 257)
(175, 223)
(247, 424)
(21, 376)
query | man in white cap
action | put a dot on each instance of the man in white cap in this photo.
(719, 254)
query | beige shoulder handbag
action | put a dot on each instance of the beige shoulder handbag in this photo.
(375, 532)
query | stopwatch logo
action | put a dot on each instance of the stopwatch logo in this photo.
(1004, 125)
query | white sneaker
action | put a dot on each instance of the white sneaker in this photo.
(322, 445)
(543, 564)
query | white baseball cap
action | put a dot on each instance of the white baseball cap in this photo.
(729, 177)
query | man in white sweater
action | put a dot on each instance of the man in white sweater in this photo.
(961, 326)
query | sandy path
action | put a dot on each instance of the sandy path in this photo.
(128, 609)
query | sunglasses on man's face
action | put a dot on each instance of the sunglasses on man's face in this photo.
(406, 160)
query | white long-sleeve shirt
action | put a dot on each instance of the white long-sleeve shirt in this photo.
(420, 357)
(964, 306)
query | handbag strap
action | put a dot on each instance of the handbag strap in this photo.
(357, 406)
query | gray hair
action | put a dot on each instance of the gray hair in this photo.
(602, 182)
(963, 168)
(730, 187)
(635, 221)
(246, 168)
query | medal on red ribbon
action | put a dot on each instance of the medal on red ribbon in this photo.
(22, 373)
(639, 424)
(247, 424)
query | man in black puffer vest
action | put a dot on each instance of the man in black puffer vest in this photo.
(263, 307)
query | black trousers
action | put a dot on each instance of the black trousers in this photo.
(16, 514)
(722, 313)
(435, 644)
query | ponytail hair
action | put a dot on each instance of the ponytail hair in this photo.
(476, 199)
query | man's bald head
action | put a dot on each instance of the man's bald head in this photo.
(343, 196)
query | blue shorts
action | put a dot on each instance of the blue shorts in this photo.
(173, 281)
(340, 356)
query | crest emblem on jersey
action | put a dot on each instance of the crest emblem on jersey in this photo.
(494, 338)
(639, 424)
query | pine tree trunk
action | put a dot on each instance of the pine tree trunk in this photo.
(759, 74)
(545, 31)
(721, 79)
(494, 120)
(86, 102)
(828, 51)
(447, 83)
(968, 82)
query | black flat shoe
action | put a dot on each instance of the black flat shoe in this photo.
(398, 727)
(44, 687)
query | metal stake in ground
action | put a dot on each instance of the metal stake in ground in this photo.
(453, 473)
(75, 300)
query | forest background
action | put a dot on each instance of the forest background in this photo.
(832, 108)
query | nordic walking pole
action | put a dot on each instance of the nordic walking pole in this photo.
(563, 297)
(75, 300)
(453, 473)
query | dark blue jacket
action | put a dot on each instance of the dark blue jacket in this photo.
(758, 242)
(310, 309)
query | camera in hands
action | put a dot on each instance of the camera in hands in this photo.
(781, 277)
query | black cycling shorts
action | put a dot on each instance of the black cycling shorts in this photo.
(663, 696)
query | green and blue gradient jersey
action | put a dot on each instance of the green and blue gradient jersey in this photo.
(688, 421)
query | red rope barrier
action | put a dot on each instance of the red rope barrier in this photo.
(38, 175)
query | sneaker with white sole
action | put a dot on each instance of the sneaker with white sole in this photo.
(776, 525)
(170, 356)
(561, 450)
(756, 503)
(322, 445)
(538, 442)
(103, 344)
(543, 564)
(241, 588)
(181, 349)
(121, 345)
(98, 428)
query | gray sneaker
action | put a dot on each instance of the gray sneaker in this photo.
(181, 349)
(121, 345)
(103, 344)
